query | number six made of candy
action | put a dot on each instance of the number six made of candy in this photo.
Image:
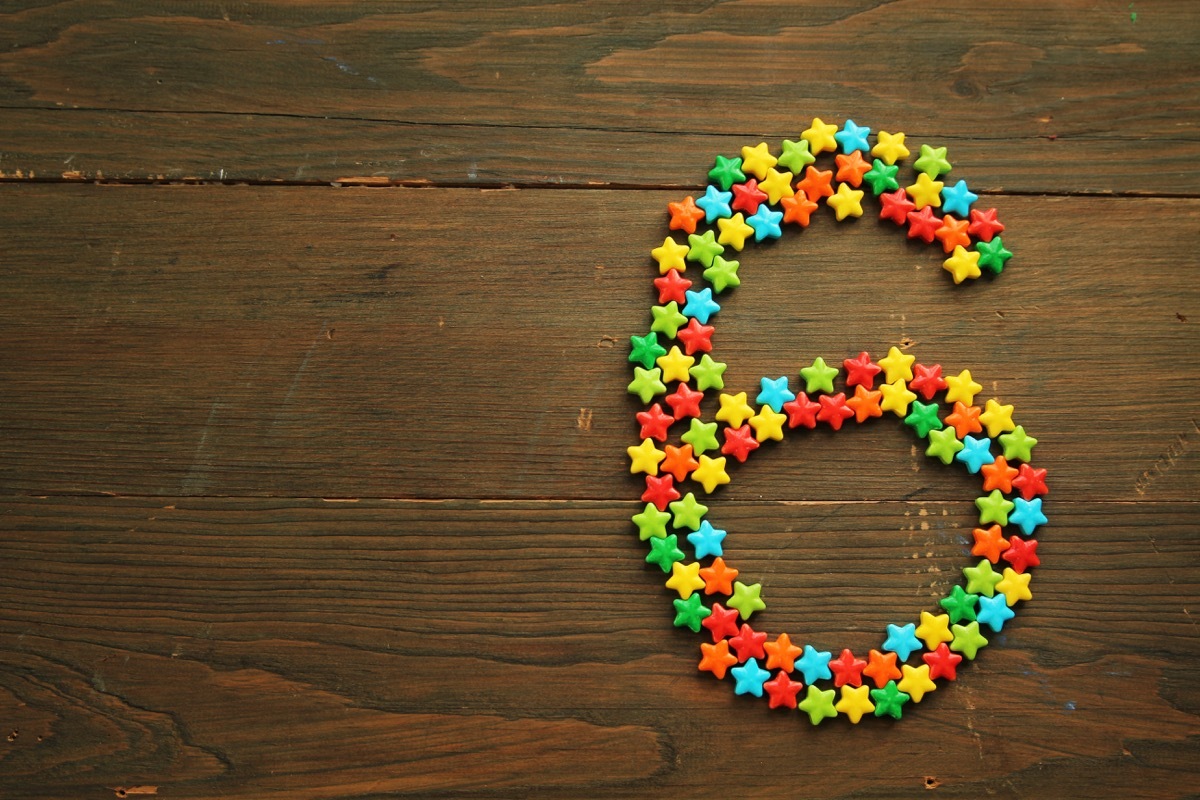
(751, 198)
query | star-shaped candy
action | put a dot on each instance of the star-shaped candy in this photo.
(817, 377)
(934, 628)
(711, 473)
(1022, 554)
(923, 418)
(690, 613)
(645, 457)
(965, 420)
(961, 388)
(651, 523)
(782, 690)
(747, 196)
(664, 552)
(688, 512)
(846, 202)
(796, 155)
(1017, 445)
(802, 411)
(942, 663)
(774, 393)
(678, 461)
(715, 204)
(962, 265)
(861, 371)
(706, 541)
(739, 442)
(718, 577)
(1015, 586)
(881, 667)
(716, 658)
(768, 424)
(989, 543)
(1030, 482)
(684, 215)
(853, 137)
(889, 701)
(975, 453)
(992, 255)
(897, 365)
(798, 209)
(746, 599)
(994, 612)
(902, 640)
(896, 207)
(703, 248)
(667, 320)
(721, 622)
(835, 410)
(847, 669)
(685, 579)
(896, 397)
(700, 305)
(748, 643)
(968, 640)
(981, 578)
(669, 255)
(674, 365)
(816, 183)
(882, 178)
(818, 704)
(734, 231)
(855, 702)
(916, 682)
(984, 224)
(851, 168)
(781, 653)
(726, 172)
(696, 338)
(660, 490)
(932, 161)
(702, 436)
(865, 404)
(926, 192)
(707, 373)
(645, 350)
(777, 185)
(671, 286)
(765, 223)
(722, 274)
(890, 147)
(1027, 515)
(959, 604)
(993, 508)
(952, 233)
(820, 137)
(997, 418)
(814, 664)
(923, 224)
(943, 445)
(757, 160)
(957, 199)
(734, 409)
(998, 475)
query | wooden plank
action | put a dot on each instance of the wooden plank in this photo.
(235, 648)
(459, 343)
(1029, 97)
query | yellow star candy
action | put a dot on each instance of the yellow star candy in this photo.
(926, 192)
(847, 202)
(855, 702)
(997, 418)
(670, 255)
(768, 424)
(675, 365)
(896, 397)
(820, 137)
(711, 473)
(934, 629)
(685, 578)
(962, 264)
(961, 388)
(757, 160)
(777, 185)
(897, 365)
(889, 147)
(916, 682)
(645, 458)
(734, 409)
(734, 231)
(1015, 586)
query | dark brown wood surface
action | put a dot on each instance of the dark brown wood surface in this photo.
(312, 469)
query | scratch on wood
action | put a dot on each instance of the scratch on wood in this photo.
(135, 791)
(1166, 461)
(584, 420)
(607, 341)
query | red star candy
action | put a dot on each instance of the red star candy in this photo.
(783, 690)
(802, 411)
(816, 183)
(684, 215)
(696, 338)
(860, 371)
(671, 287)
(654, 422)
(851, 168)
(721, 622)
(952, 232)
(660, 490)
(942, 663)
(1022, 554)
(927, 381)
(847, 669)
(748, 643)
(984, 224)
(833, 409)
(923, 225)
(747, 196)
(1030, 482)
(739, 442)
(896, 206)
(685, 401)
(798, 209)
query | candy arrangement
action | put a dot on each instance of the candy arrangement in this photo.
(751, 198)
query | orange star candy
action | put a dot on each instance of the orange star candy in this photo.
(989, 543)
(716, 658)
(679, 461)
(881, 668)
(684, 215)
(865, 403)
(816, 183)
(781, 653)
(798, 209)
(964, 419)
(718, 578)
(998, 475)
(953, 232)
(851, 168)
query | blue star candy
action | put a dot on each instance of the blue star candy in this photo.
(765, 223)
(774, 393)
(715, 204)
(902, 640)
(853, 137)
(814, 664)
(750, 678)
(994, 611)
(1027, 514)
(957, 199)
(975, 453)
(700, 305)
(707, 540)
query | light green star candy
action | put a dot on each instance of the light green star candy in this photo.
(993, 508)
(992, 255)
(818, 704)
(688, 512)
(932, 161)
(704, 248)
(1017, 444)
(943, 445)
(667, 319)
(664, 552)
(689, 613)
(982, 579)
(967, 639)
(746, 599)
(708, 375)
(796, 156)
(646, 383)
(819, 376)
(723, 274)
(702, 436)
(651, 522)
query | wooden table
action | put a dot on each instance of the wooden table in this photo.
(314, 425)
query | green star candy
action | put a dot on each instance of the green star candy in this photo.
(727, 172)
(1017, 444)
(819, 376)
(943, 445)
(796, 155)
(967, 639)
(690, 612)
(704, 248)
(746, 599)
(708, 375)
(889, 701)
(993, 508)
(959, 605)
(932, 161)
(992, 255)
(664, 552)
(667, 319)
(722, 274)
(702, 436)
(645, 350)
(818, 704)
(651, 523)
(923, 418)
(688, 511)
(982, 579)
(882, 177)
(646, 383)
